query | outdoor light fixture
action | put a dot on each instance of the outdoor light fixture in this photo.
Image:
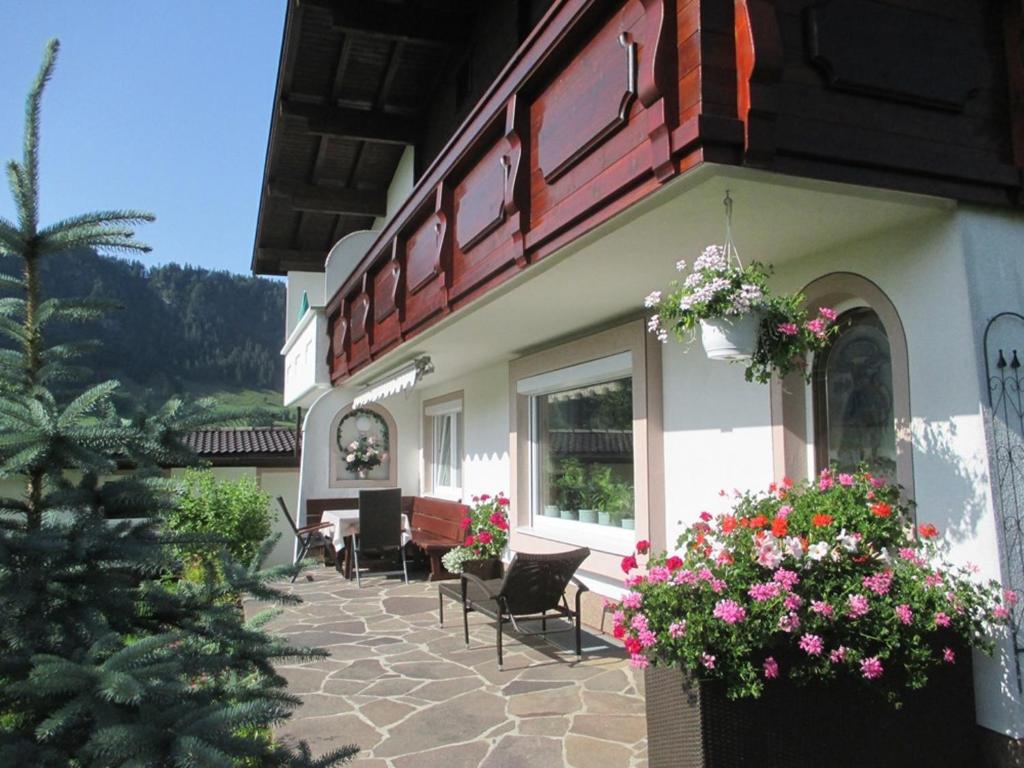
(398, 381)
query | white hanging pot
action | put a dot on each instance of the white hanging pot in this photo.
(731, 338)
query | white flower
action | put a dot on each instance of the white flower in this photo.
(681, 265)
(817, 551)
(848, 541)
(652, 299)
(350, 458)
(353, 445)
(794, 548)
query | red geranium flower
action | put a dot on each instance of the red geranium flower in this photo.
(758, 522)
(728, 524)
(643, 546)
(502, 501)
(632, 645)
(619, 632)
(674, 563)
(628, 563)
(881, 509)
(485, 497)
(928, 531)
(780, 527)
(470, 540)
(484, 537)
(466, 522)
(820, 521)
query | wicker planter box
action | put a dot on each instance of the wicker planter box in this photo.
(693, 725)
(485, 568)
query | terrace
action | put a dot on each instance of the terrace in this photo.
(410, 693)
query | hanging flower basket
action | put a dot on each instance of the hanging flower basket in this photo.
(731, 338)
(739, 318)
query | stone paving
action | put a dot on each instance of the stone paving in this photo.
(412, 695)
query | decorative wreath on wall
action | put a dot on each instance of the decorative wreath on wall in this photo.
(376, 418)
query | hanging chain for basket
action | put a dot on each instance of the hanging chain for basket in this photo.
(731, 251)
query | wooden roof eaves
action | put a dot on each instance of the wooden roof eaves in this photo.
(288, 35)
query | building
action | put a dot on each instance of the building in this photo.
(497, 186)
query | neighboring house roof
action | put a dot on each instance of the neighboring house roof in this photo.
(245, 446)
(607, 443)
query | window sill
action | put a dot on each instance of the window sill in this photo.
(448, 494)
(601, 538)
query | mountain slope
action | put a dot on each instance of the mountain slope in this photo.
(180, 329)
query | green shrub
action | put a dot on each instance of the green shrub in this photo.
(235, 511)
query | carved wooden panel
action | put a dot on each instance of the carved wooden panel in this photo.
(893, 52)
(385, 290)
(423, 253)
(588, 102)
(359, 316)
(480, 198)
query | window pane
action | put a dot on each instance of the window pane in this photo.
(853, 398)
(442, 451)
(584, 439)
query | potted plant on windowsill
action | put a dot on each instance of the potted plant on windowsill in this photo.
(485, 529)
(601, 489)
(826, 585)
(738, 318)
(571, 484)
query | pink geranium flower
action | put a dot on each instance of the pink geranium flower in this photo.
(639, 661)
(788, 329)
(828, 313)
(761, 592)
(858, 606)
(879, 583)
(871, 668)
(677, 629)
(812, 645)
(904, 613)
(838, 655)
(942, 620)
(822, 608)
(771, 668)
(729, 611)
(948, 656)
(632, 600)
(788, 579)
(647, 638)
(845, 480)
(708, 660)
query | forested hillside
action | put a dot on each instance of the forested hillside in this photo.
(179, 329)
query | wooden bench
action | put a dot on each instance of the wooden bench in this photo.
(436, 529)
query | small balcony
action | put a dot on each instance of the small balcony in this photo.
(305, 359)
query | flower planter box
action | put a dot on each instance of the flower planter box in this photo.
(485, 568)
(691, 724)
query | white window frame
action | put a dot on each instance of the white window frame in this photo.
(597, 371)
(433, 411)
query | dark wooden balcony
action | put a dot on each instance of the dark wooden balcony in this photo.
(608, 100)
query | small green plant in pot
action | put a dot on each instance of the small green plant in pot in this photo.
(600, 488)
(571, 485)
(620, 504)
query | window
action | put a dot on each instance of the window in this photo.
(443, 444)
(581, 437)
(854, 420)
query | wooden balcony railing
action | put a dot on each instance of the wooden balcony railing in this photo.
(601, 105)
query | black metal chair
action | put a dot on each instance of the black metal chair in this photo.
(380, 528)
(309, 536)
(533, 588)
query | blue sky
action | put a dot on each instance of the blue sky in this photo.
(157, 105)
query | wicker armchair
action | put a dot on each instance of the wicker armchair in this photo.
(533, 588)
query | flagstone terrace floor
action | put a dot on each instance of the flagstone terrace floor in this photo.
(411, 694)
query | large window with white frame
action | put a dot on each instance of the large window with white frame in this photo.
(443, 446)
(581, 461)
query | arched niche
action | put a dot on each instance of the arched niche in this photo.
(370, 420)
(793, 428)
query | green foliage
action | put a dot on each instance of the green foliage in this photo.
(571, 483)
(106, 659)
(235, 512)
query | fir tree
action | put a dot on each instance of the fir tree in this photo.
(107, 656)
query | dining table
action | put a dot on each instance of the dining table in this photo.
(344, 528)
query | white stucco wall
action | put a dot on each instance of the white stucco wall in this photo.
(485, 414)
(312, 283)
(317, 440)
(401, 186)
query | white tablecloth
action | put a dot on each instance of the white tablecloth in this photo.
(345, 522)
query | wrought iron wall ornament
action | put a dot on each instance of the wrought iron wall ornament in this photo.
(1006, 416)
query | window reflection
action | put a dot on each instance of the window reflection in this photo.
(584, 439)
(853, 398)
